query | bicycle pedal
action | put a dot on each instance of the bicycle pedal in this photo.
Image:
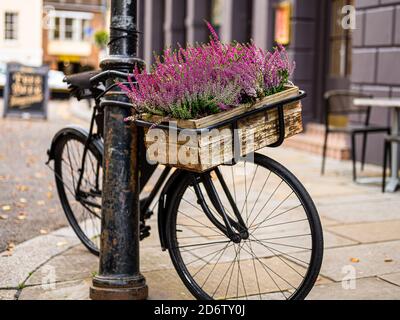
(144, 232)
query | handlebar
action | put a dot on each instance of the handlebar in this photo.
(108, 74)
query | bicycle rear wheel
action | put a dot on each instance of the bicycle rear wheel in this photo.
(82, 210)
(281, 257)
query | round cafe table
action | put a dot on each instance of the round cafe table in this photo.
(394, 106)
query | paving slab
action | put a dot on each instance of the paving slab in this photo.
(393, 278)
(7, 294)
(153, 259)
(365, 289)
(369, 232)
(75, 264)
(332, 240)
(359, 212)
(74, 290)
(166, 285)
(373, 260)
(29, 256)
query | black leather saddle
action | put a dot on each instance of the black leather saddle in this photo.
(81, 80)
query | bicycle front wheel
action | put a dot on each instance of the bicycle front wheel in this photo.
(278, 259)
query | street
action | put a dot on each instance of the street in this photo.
(29, 203)
(361, 226)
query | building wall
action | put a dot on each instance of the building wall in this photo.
(307, 50)
(85, 52)
(376, 58)
(27, 48)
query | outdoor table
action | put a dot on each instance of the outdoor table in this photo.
(394, 105)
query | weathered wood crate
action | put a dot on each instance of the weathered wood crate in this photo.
(200, 145)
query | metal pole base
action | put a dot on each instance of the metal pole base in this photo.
(127, 289)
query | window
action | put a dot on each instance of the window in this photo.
(86, 29)
(69, 29)
(11, 26)
(340, 42)
(70, 26)
(57, 31)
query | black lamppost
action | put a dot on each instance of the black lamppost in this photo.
(119, 275)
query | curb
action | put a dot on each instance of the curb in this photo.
(30, 255)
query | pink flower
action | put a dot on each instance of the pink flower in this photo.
(205, 79)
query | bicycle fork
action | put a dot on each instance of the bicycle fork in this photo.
(234, 230)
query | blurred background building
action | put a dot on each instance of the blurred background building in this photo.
(21, 31)
(68, 34)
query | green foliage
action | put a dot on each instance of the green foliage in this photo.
(101, 38)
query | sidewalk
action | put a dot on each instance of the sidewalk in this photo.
(362, 236)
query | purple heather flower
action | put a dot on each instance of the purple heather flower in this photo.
(188, 82)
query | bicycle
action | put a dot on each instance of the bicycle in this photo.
(247, 230)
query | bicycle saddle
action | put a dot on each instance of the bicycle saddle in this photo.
(81, 80)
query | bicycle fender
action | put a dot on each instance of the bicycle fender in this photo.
(164, 209)
(76, 130)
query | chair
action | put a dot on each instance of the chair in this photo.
(342, 116)
(389, 140)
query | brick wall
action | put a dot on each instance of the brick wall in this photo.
(376, 58)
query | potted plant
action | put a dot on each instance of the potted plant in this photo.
(205, 104)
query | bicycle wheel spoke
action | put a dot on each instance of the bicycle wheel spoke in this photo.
(220, 233)
(230, 278)
(247, 196)
(276, 208)
(280, 224)
(256, 274)
(265, 205)
(282, 253)
(206, 256)
(286, 263)
(201, 245)
(225, 274)
(208, 262)
(266, 268)
(212, 270)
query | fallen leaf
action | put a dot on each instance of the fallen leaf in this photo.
(6, 208)
(23, 200)
(11, 246)
(49, 195)
(9, 250)
(43, 231)
(62, 243)
(355, 260)
(22, 216)
(41, 203)
(22, 188)
(3, 217)
(388, 260)
(38, 175)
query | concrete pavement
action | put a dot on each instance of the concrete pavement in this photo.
(362, 239)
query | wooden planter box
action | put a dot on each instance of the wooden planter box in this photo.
(203, 144)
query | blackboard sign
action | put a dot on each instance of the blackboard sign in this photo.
(26, 92)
